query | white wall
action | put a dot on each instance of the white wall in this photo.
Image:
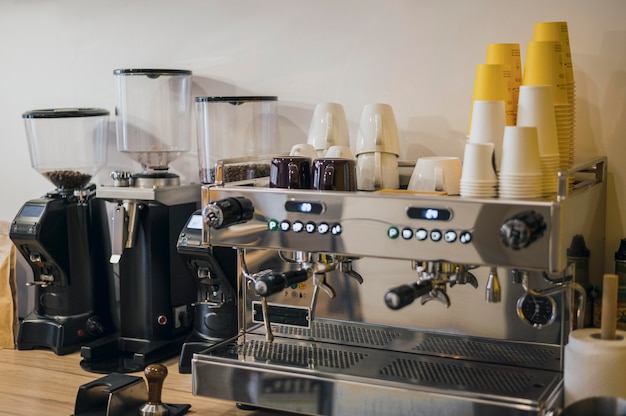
(417, 55)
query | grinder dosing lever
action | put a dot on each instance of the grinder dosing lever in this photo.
(404, 295)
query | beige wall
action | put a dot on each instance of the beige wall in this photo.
(417, 55)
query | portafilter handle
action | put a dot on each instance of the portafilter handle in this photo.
(155, 375)
(401, 296)
(268, 284)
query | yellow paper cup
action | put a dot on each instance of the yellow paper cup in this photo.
(544, 66)
(557, 31)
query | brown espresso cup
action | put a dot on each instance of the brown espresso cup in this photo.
(290, 172)
(334, 174)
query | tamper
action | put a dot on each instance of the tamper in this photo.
(155, 375)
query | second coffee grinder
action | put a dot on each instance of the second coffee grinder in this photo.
(149, 209)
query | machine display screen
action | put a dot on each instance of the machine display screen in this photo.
(305, 207)
(31, 211)
(431, 214)
(195, 222)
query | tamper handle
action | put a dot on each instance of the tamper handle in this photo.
(155, 375)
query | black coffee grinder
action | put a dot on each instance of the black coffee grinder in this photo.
(148, 211)
(64, 235)
(214, 269)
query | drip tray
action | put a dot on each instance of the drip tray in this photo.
(325, 377)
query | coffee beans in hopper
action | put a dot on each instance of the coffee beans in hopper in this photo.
(68, 179)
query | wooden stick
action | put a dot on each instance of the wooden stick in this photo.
(609, 306)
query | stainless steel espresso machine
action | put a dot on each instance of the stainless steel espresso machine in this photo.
(64, 235)
(391, 303)
(148, 210)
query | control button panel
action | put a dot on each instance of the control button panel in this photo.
(393, 232)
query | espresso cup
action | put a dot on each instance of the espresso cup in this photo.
(290, 172)
(303, 149)
(377, 170)
(437, 173)
(342, 152)
(334, 174)
(378, 131)
(329, 127)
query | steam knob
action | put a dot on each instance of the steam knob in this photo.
(404, 295)
(272, 283)
(228, 211)
(155, 375)
(522, 229)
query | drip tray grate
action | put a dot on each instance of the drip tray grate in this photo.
(530, 355)
(298, 355)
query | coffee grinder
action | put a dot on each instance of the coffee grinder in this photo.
(64, 235)
(236, 135)
(149, 209)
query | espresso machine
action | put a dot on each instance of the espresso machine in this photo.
(465, 304)
(147, 211)
(64, 235)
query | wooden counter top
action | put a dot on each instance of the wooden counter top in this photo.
(38, 382)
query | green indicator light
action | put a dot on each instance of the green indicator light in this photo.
(393, 232)
(272, 225)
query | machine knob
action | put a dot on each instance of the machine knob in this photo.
(229, 211)
(522, 229)
(269, 284)
(404, 295)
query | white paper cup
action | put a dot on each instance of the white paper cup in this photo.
(478, 163)
(520, 151)
(437, 173)
(536, 108)
(378, 131)
(488, 122)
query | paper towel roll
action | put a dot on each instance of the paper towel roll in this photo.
(593, 366)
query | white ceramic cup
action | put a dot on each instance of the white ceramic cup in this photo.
(329, 127)
(378, 131)
(341, 152)
(437, 173)
(478, 163)
(377, 170)
(304, 150)
(488, 121)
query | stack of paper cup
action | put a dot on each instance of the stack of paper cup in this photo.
(544, 66)
(508, 54)
(565, 112)
(478, 176)
(488, 121)
(536, 108)
(520, 171)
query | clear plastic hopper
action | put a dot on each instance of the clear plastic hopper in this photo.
(67, 145)
(153, 115)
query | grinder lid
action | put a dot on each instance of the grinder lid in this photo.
(66, 112)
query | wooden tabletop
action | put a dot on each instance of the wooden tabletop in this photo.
(38, 382)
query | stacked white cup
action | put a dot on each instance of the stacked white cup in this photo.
(536, 108)
(478, 176)
(377, 149)
(520, 171)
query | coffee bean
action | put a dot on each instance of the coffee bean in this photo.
(68, 179)
(234, 173)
